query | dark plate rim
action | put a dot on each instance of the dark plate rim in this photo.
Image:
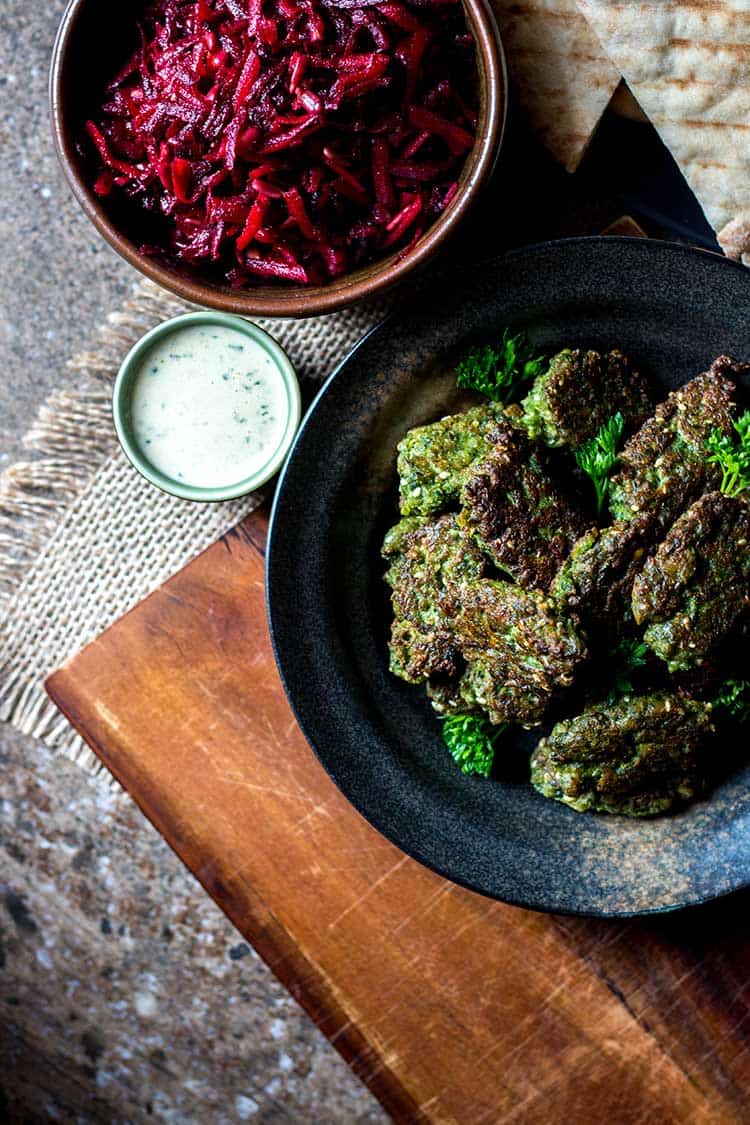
(648, 244)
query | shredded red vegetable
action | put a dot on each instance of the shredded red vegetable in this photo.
(290, 141)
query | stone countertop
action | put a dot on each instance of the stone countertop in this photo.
(126, 994)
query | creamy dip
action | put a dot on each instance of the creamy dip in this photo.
(209, 406)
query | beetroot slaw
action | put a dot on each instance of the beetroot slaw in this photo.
(293, 142)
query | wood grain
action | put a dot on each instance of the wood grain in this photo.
(451, 1007)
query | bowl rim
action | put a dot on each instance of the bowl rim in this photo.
(365, 282)
(121, 398)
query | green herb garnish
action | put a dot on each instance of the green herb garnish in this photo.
(471, 740)
(731, 452)
(734, 699)
(628, 655)
(598, 456)
(499, 372)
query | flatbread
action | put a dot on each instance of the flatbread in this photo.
(688, 64)
(560, 74)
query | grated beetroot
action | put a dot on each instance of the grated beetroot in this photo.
(288, 142)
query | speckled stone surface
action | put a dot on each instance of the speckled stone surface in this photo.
(125, 991)
(125, 995)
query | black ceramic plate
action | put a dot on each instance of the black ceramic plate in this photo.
(673, 309)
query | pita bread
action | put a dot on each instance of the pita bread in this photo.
(560, 73)
(688, 64)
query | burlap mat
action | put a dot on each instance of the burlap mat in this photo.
(83, 537)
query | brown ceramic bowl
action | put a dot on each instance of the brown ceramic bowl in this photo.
(83, 61)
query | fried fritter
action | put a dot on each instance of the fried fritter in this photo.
(697, 585)
(663, 466)
(638, 756)
(451, 696)
(580, 392)
(517, 513)
(518, 652)
(433, 460)
(595, 582)
(429, 562)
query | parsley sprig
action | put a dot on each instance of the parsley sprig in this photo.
(733, 698)
(598, 456)
(630, 654)
(471, 740)
(499, 372)
(731, 452)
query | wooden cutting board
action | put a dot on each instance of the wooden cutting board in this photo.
(451, 1007)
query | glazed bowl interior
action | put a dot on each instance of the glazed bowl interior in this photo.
(94, 40)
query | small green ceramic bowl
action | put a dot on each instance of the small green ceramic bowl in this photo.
(122, 404)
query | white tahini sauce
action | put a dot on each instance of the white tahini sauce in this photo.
(209, 406)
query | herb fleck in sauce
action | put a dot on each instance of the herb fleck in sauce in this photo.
(209, 407)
